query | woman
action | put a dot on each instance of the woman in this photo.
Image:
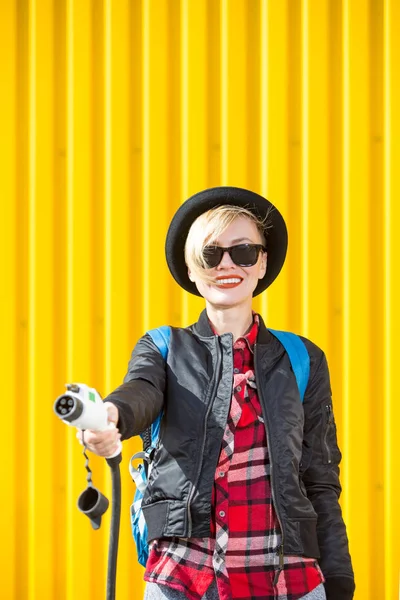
(242, 500)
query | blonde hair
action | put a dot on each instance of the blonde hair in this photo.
(207, 228)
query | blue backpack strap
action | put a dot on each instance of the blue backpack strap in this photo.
(161, 337)
(298, 356)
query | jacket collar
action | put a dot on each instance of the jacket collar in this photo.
(269, 347)
(203, 329)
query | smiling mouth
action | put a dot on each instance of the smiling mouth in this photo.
(228, 282)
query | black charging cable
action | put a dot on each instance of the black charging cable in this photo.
(114, 526)
(94, 504)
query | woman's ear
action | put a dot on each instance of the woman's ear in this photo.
(190, 275)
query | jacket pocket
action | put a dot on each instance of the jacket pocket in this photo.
(330, 451)
(302, 487)
(305, 459)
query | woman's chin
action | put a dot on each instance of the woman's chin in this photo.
(224, 297)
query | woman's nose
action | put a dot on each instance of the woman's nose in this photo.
(226, 260)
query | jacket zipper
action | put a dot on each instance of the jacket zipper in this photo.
(280, 549)
(210, 403)
(328, 409)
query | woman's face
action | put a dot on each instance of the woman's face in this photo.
(226, 294)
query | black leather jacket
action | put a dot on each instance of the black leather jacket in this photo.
(195, 390)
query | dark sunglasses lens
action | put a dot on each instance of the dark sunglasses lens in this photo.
(245, 255)
(212, 256)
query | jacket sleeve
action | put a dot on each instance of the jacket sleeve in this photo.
(321, 458)
(140, 398)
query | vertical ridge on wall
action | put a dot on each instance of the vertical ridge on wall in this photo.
(10, 319)
(334, 212)
(274, 135)
(59, 238)
(356, 285)
(79, 261)
(109, 242)
(234, 99)
(155, 156)
(264, 109)
(117, 185)
(136, 168)
(214, 65)
(376, 283)
(96, 52)
(108, 148)
(306, 53)
(21, 581)
(113, 113)
(201, 113)
(293, 215)
(40, 298)
(316, 106)
(253, 97)
(117, 226)
(100, 138)
(31, 268)
(194, 115)
(174, 138)
(391, 294)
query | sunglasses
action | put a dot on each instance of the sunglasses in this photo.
(243, 255)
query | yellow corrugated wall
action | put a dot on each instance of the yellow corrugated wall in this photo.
(112, 112)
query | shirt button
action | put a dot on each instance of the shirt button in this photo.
(239, 388)
(221, 513)
(235, 370)
(221, 474)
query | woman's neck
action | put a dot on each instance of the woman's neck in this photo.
(235, 319)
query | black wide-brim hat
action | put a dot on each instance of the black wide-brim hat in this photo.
(275, 235)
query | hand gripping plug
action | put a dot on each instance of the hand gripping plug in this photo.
(82, 407)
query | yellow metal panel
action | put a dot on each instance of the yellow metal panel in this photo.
(214, 95)
(119, 267)
(40, 298)
(274, 159)
(59, 446)
(234, 93)
(114, 113)
(8, 306)
(376, 292)
(156, 139)
(293, 214)
(391, 407)
(78, 290)
(316, 235)
(357, 332)
(334, 212)
(119, 263)
(135, 326)
(21, 296)
(194, 121)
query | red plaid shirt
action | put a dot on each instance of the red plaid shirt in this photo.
(241, 553)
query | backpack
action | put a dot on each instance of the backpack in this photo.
(300, 361)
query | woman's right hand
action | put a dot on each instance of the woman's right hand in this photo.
(103, 443)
